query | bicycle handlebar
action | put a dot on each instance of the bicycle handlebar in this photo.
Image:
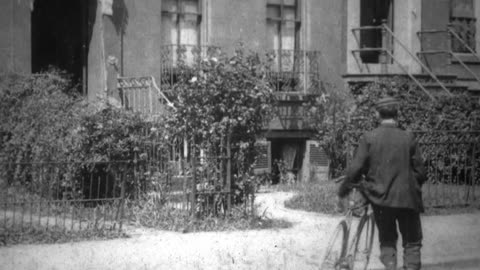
(341, 178)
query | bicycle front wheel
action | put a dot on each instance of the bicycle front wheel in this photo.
(363, 242)
(334, 257)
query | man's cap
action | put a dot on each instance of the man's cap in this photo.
(386, 101)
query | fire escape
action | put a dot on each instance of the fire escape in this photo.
(445, 63)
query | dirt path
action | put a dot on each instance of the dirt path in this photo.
(299, 247)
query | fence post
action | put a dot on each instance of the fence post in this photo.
(229, 173)
(474, 163)
(122, 199)
(194, 181)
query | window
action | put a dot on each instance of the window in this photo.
(463, 21)
(375, 13)
(283, 29)
(181, 22)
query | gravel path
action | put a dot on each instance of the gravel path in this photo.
(447, 239)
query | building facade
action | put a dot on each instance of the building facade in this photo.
(110, 46)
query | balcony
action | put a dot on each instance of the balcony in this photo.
(289, 71)
(294, 75)
(173, 57)
(293, 71)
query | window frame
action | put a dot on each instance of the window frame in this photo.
(457, 46)
(281, 20)
(180, 14)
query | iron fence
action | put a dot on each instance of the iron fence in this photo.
(452, 160)
(74, 196)
(62, 195)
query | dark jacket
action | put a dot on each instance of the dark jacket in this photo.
(392, 164)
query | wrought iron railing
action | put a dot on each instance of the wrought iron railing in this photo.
(294, 70)
(452, 160)
(288, 70)
(88, 196)
(387, 56)
(69, 196)
(141, 94)
(174, 56)
(465, 28)
(452, 37)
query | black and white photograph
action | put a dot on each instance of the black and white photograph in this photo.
(240, 134)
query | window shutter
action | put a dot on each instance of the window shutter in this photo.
(318, 157)
(263, 164)
(318, 163)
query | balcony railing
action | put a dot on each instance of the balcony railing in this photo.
(174, 56)
(465, 28)
(293, 70)
(288, 70)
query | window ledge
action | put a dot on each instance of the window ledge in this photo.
(467, 58)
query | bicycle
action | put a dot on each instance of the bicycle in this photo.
(342, 255)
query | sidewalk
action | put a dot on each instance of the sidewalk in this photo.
(448, 240)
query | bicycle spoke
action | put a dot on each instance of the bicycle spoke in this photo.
(335, 253)
(363, 244)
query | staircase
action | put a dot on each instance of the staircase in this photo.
(442, 71)
(450, 82)
(462, 70)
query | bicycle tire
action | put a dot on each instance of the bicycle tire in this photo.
(336, 248)
(363, 243)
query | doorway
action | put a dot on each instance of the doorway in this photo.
(287, 159)
(61, 32)
(374, 13)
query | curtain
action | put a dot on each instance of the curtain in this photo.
(289, 154)
(463, 8)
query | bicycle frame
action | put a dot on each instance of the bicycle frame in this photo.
(349, 250)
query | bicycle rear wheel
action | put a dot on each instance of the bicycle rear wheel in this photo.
(334, 257)
(362, 243)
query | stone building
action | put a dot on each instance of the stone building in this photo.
(111, 45)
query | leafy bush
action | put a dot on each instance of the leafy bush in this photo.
(319, 198)
(39, 235)
(46, 121)
(37, 114)
(322, 198)
(149, 213)
(222, 103)
(340, 118)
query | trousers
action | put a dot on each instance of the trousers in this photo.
(410, 227)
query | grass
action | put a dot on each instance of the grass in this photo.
(151, 215)
(23, 226)
(55, 234)
(313, 197)
(322, 198)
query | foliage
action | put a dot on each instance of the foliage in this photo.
(341, 118)
(110, 134)
(46, 121)
(55, 234)
(148, 212)
(322, 198)
(37, 114)
(314, 197)
(222, 102)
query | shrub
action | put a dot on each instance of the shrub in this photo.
(37, 114)
(46, 121)
(222, 103)
(149, 212)
(341, 118)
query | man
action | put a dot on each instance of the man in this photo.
(391, 162)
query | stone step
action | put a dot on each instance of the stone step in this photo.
(422, 77)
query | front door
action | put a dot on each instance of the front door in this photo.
(374, 13)
(60, 37)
